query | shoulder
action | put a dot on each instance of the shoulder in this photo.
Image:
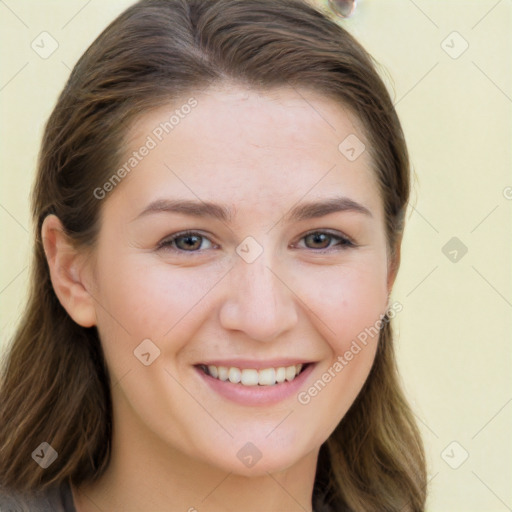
(49, 500)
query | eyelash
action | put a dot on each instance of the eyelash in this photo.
(344, 242)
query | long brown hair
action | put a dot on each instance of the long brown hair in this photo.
(54, 385)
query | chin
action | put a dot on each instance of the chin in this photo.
(259, 455)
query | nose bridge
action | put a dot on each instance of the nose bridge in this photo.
(258, 302)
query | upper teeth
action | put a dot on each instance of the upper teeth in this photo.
(252, 377)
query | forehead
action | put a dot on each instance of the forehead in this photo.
(232, 143)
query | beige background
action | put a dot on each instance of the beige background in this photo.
(456, 108)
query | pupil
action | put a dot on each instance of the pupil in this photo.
(191, 240)
(319, 238)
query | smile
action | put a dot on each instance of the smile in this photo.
(252, 376)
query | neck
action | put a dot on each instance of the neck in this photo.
(146, 474)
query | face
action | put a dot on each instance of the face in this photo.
(212, 265)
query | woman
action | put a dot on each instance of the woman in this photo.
(219, 208)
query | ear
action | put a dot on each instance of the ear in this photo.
(67, 270)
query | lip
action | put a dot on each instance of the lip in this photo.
(246, 364)
(256, 395)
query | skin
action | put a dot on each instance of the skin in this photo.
(175, 441)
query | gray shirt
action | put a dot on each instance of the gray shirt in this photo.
(59, 499)
(55, 499)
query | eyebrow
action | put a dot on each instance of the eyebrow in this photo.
(302, 211)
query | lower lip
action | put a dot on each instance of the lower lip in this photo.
(257, 395)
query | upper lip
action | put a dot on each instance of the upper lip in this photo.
(255, 364)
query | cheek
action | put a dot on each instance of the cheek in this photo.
(151, 298)
(347, 300)
(141, 298)
(349, 308)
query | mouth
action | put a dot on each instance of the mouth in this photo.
(253, 383)
(251, 377)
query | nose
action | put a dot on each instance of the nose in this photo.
(258, 301)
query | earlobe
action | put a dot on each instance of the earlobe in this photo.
(66, 266)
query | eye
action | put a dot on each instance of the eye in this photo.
(322, 240)
(192, 242)
(186, 241)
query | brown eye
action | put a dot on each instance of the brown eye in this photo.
(318, 240)
(184, 242)
(322, 240)
(192, 242)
